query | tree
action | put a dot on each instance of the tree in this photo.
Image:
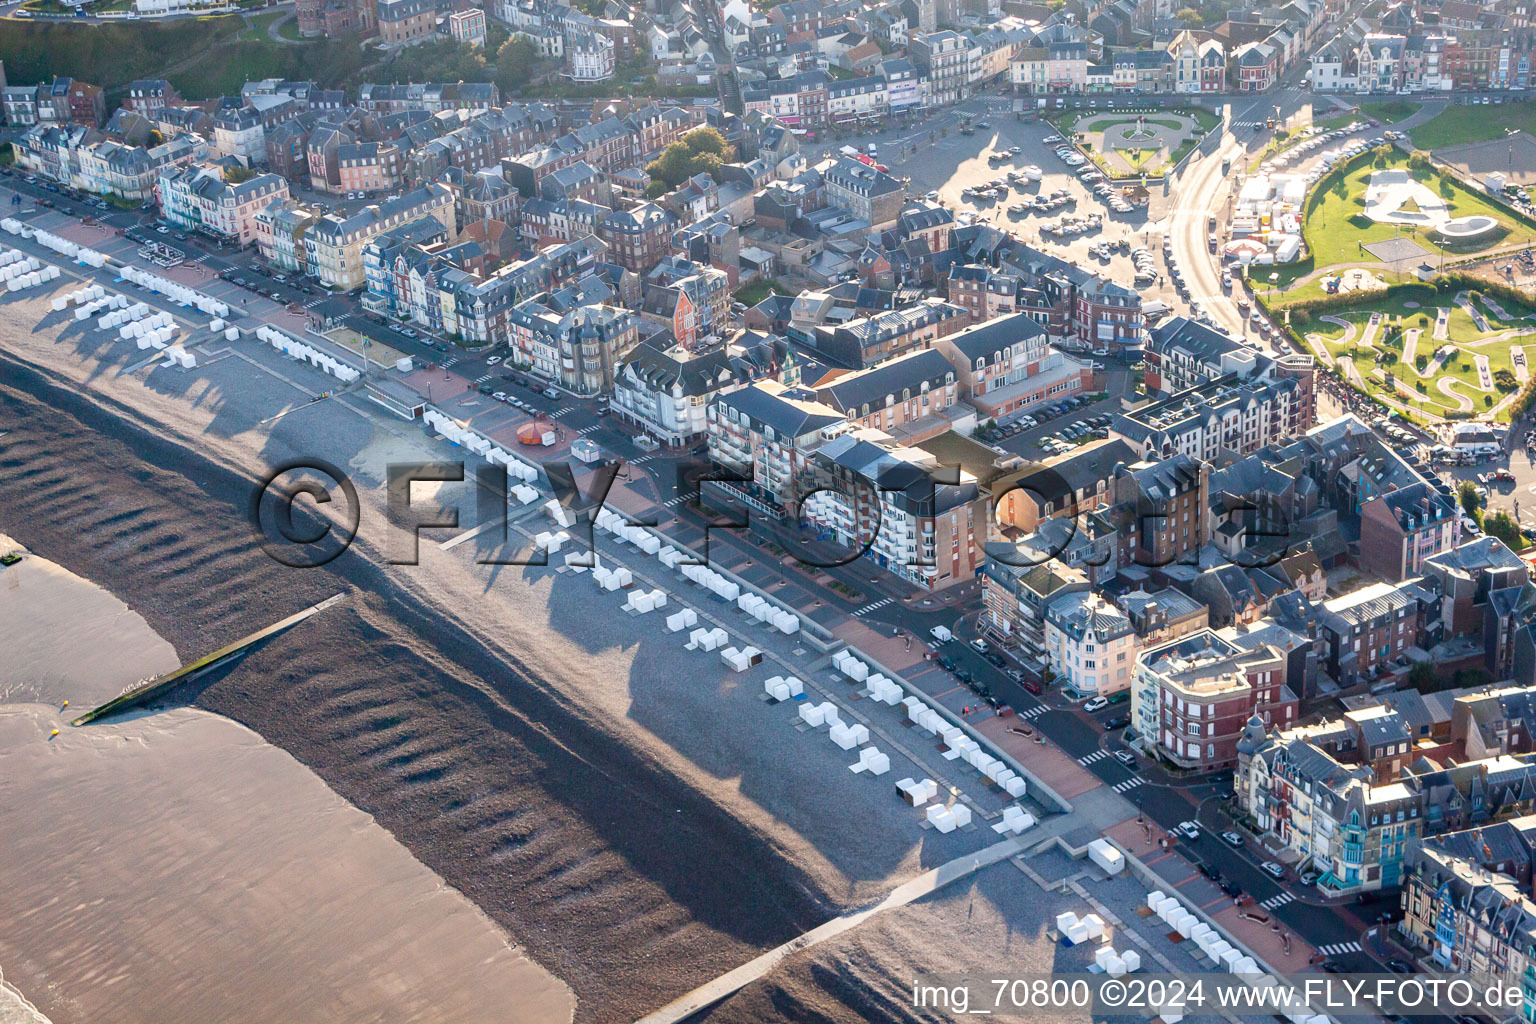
(1190, 17)
(1503, 526)
(656, 188)
(701, 151)
(154, 138)
(1423, 677)
(1470, 497)
(516, 61)
(235, 175)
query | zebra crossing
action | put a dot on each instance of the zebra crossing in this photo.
(312, 303)
(875, 605)
(642, 460)
(482, 380)
(1126, 786)
(1088, 759)
(1030, 714)
(1246, 124)
(1276, 902)
(1340, 947)
(675, 501)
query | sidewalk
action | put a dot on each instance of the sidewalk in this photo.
(1183, 879)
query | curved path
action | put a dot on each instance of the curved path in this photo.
(272, 33)
(1446, 386)
(1319, 348)
(1349, 329)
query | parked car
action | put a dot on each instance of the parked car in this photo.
(1118, 722)
(551, 393)
(1273, 869)
(980, 645)
(1096, 704)
(1188, 829)
(1126, 758)
(1232, 839)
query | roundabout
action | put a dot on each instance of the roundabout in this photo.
(1138, 144)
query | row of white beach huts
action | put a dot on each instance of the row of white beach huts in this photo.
(178, 293)
(20, 271)
(288, 344)
(59, 244)
(817, 715)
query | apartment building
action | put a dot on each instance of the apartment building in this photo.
(638, 238)
(943, 56)
(1182, 353)
(333, 245)
(693, 301)
(866, 193)
(872, 494)
(1368, 629)
(1090, 645)
(1401, 530)
(147, 94)
(580, 348)
(867, 340)
(666, 392)
(238, 132)
(81, 157)
(368, 167)
(1340, 820)
(1161, 511)
(799, 101)
(1193, 697)
(765, 433)
(1017, 585)
(279, 229)
(197, 198)
(407, 22)
(906, 396)
(1240, 416)
(1467, 904)
(1005, 367)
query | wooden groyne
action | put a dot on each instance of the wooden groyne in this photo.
(149, 689)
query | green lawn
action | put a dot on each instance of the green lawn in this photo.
(1328, 124)
(1106, 123)
(759, 290)
(1337, 229)
(257, 25)
(1398, 306)
(1391, 111)
(1458, 124)
(289, 29)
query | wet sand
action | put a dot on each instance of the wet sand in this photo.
(66, 639)
(175, 868)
